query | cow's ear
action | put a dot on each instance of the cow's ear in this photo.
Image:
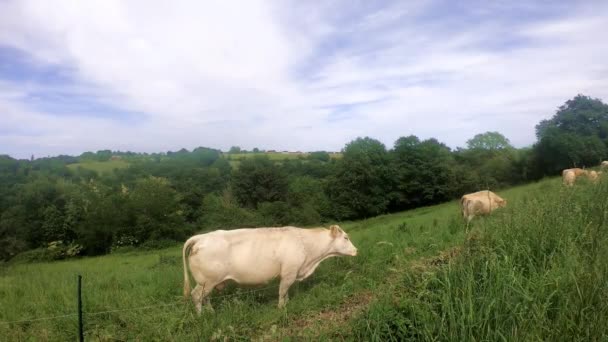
(334, 231)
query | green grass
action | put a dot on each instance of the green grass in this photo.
(515, 278)
(536, 271)
(101, 167)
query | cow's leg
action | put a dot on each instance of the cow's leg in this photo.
(469, 218)
(286, 282)
(200, 293)
(197, 298)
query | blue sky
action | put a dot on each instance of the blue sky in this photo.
(153, 76)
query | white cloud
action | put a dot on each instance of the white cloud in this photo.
(270, 75)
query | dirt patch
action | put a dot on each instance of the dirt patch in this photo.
(321, 321)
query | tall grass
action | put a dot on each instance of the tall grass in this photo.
(535, 271)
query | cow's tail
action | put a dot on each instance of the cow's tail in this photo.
(185, 252)
(462, 206)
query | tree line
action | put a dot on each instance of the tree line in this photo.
(53, 208)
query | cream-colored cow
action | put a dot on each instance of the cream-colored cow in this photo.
(480, 203)
(577, 171)
(593, 176)
(604, 165)
(568, 177)
(255, 256)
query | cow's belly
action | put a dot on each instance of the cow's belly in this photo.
(252, 272)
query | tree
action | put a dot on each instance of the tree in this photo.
(424, 172)
(234, 149)
(156, 210)
(581, 115)
(575, 136)
(258, 180)
(319, 155)
(491, 141)
(361, 185)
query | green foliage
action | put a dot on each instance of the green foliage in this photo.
(424, 172)
(234, 149)
(258, 180)
(319, 155)
(575, 136)
(490, 141)
(223, 212)
(362, 182)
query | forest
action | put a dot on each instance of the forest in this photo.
(108, 201)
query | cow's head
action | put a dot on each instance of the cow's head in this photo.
(501, 202)
(341, 242)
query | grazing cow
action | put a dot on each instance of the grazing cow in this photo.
(604, 165)
(253, 256)
(577, 171)
(568, 177)
(480, 203)
(593, 176)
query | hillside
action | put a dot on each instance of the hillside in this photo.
(402, 284)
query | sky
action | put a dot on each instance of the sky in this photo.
(156, 76)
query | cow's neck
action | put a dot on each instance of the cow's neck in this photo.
(316, 245)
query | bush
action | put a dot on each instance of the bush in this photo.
(158, 244)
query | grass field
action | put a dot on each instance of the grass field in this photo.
(532, 271)
(101, 167)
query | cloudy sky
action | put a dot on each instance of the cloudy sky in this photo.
(152, 76)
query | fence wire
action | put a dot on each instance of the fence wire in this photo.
(96, 313)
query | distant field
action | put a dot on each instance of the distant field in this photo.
(398, 282)
(270, 155)
(101, 167)
(275, 155)
(235, 158)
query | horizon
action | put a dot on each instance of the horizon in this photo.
(154, 78)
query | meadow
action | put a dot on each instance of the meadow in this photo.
(532, 271)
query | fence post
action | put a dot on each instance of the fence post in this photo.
(80, 330)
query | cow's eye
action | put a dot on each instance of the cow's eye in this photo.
(346, 238)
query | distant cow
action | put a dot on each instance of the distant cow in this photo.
(480, 203)
(593, 175)
(604, 165)
(577, 171)
(568, 177)
(254, 256)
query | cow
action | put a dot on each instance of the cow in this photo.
(593, 176)
(604, 165)
(568, 177)
(480, 203)
(254, 256)
(577, 171)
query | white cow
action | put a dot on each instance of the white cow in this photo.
(253, 256)
(480, 203)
